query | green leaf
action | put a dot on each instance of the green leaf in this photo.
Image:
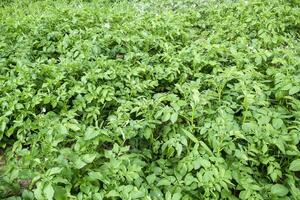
(206, 148)
(3, 126)
(279, 190)
(49, 191)
(151, 178)
(178, 148)
(190, 135)
(158, 114)
(168, 195)
(205, 163)
(176, 196)
(258, 60)
(295, 165)
(136, 194)
(96, 175)
(245, 194)
(73, 127)
(113, 193)
(89, 158)
(166, 116)
(78, 164)
(54, 170)
(196, 96)
(174, 117)
(147, 133)
(163, 181)
(38, 190)
(280, 144)
(294, 90)
(27, 195)
(277, 123)
(60, 193)
(90, 134)
(62, 129)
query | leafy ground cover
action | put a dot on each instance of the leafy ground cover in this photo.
(150, 99)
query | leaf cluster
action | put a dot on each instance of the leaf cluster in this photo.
(150, 99)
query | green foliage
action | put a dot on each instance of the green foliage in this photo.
(150, 99)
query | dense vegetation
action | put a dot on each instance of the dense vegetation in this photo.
(150, 99)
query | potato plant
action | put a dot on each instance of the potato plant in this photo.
(149, 99)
